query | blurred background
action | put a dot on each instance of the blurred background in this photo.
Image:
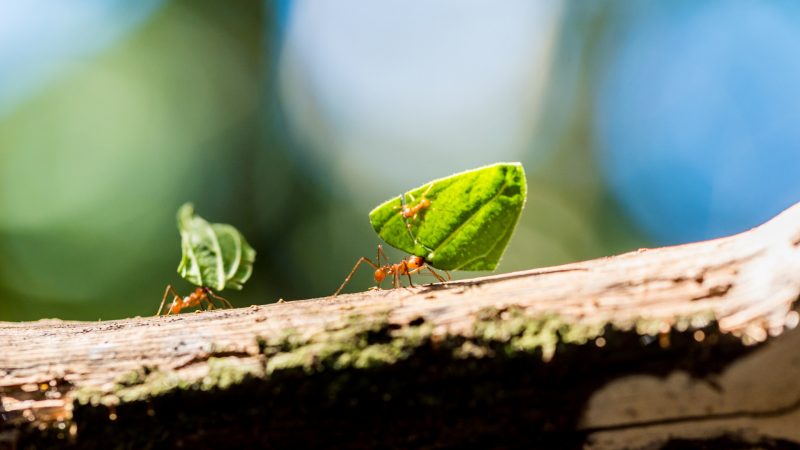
(639, 124)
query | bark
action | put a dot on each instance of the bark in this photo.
(692, 346)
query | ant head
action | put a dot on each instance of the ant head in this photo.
(415, 262)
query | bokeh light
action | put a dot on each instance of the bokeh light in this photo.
(385, 94)
(41, 38)
(696, 115)
(95, 165)
(637, 124)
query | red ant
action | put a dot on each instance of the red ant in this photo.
(196, 298)
(413, 211)
(411, 265)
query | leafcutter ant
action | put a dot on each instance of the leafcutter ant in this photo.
(408, 266)
(412, 212)
(196, 298)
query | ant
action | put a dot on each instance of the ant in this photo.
(412, 212)
(196, 298)
(409, 266)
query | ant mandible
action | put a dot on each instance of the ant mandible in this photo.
(196, 298)
(409, 266)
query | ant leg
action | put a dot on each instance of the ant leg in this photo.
(438, 277)
(396, 275)
(385, 258)
(220, 298)
(425, 194)
(409, 226)
(410, 283)
(411, 196)
(407, 272)
(169, 310)
(380, 253)
(164, 299)
(350, 275)
(402, 214)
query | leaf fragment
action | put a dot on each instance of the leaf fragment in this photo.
(214, 255)
(468, 222)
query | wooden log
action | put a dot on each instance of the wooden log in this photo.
(692, 346)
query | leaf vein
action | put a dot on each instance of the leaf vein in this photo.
(471, 217)
(218, 256)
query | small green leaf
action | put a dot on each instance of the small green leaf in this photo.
(214, 255)
(467, 224)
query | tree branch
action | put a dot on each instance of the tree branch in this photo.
(650, 347)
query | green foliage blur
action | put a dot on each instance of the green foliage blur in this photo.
(187, 108)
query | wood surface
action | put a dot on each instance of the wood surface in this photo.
(697, 344)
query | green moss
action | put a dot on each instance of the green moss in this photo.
(368, 343)
(145, 383)
(223, 373)
(514, 333)
(133, 377)
(360, 343)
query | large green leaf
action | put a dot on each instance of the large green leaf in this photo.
(468, 222)
(214, 255)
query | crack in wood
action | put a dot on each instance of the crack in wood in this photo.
(204, 357)
(714, 291)
(433, 287)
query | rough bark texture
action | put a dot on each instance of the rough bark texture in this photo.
(682, 347)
